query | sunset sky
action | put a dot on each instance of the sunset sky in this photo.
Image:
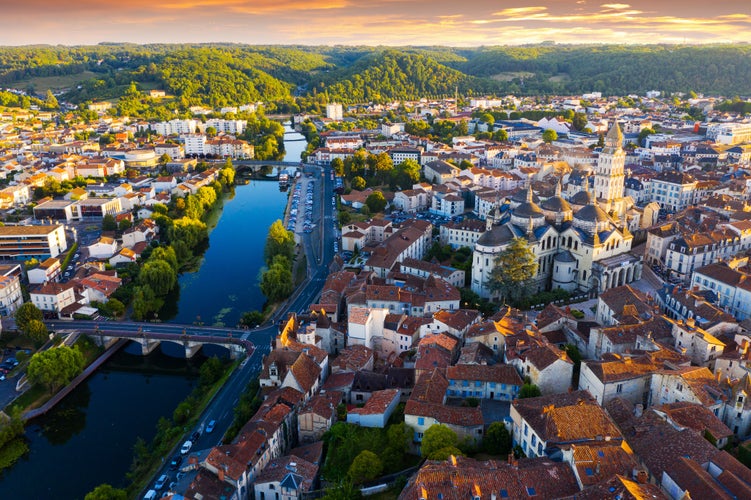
(374, 22)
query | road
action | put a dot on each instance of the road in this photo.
(319, 250)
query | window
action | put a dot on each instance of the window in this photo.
(531, 491)
(525, 429)
(504, 494)
(420, 420)
(534, 440)
(619, 388)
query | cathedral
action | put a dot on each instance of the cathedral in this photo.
(582, 245)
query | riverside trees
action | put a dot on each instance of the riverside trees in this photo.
(276, 281)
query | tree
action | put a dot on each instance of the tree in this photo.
(358, 183)
(365, 467)
(446, 452)
(251, 319)
(276, 282)
(55, 367)
(549, 135)
(164, 159)
(124, 224)
(514, 268)
(337, 165)
(529, 391)
(644, 133)
(210, 131)
(50, 101)
(109, 223)
(500, 135)
(437, 436)
(405, 174)
(190, 231)
(106, 492)
(279, 241)
(579, 121)
(497, 440)
(37, 331)
(158, 275)
(27, 313)
(376, 202)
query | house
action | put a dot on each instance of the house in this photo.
(497, 382)
(48, 270)
(317, 415)
(99, 287)
(103, 248)
(290, 476)
(11, 297)
(145, 230)
(547, 366)
(124, 256)
(440, 171)
(546, 425)
(52, 296)
(426, 407)
(376, 411)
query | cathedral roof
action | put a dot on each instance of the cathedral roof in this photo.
(564, 256)
(521, 197)
(556, 204)
(614, 139)
(591, 213)
(528, 209)
(581, 198)
(497, 236)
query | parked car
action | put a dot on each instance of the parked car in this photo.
(161, 482)
(175, 462)
(195, 436)
(210, 426)
(185, 448)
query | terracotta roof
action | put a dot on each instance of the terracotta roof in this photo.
(598, 462)
(697, 417)
(567, 418)
(502, 374)
(538, 477)
(306, 372)
(620, 487)
(378, 403)
(430, 387)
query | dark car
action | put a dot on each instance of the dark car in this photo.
(175, 462)
(194, 437)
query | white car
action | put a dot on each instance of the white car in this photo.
(187, 445)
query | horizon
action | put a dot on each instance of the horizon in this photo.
(376, 23)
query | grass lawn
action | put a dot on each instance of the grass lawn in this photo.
(42, 83)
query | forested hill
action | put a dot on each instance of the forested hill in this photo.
(290, 77)
(393, 75)
(614, 69)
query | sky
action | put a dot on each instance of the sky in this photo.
(374, 22)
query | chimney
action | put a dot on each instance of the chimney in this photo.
(638, 410)
(220, 474)
(641, 477)
(453, 460)
(744, 346)
(690, 322)
(511, 458)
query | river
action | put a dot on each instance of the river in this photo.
(88, 438)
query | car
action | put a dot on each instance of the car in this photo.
(185, 448)
(195, 436)
(175, 462)
(210, 426)
(2, 377)
(161, 482)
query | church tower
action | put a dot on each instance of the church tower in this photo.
(609, 173)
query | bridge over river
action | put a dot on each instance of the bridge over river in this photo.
(150, 335)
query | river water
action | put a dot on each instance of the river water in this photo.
(88, 438)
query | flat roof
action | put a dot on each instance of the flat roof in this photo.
(27, 230)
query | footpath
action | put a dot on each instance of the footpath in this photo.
(76, 381)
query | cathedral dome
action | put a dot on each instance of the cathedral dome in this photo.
(592, 214)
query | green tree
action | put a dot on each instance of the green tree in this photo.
(445, 452)
(514, 269)
(549, 135)
(436, 437)
(190, 231)
(124, 224)
(109, 223)
(276, 283)
(158, 275)
(406, 174)
(145, 302)
(643, 134)
(167, 254)
(50, 101)
(251, 319)
(358, 183)
(106, 492)
(345, 490)
(37, 331)
(497, 440)
(210, 131)
(26, 313)
(164, 159)
(55, 367)
(376, 202)
(579, 121)
(365, 467)
(529, 391)
(227, 176)
(500, 135)
(338, 166)
(279, 241)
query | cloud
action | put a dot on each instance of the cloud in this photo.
(616, 6)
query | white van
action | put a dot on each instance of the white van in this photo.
(150, 495)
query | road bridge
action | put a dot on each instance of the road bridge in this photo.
(151, 335)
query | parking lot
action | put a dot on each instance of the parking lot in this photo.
(301, 208)
(397, 217)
